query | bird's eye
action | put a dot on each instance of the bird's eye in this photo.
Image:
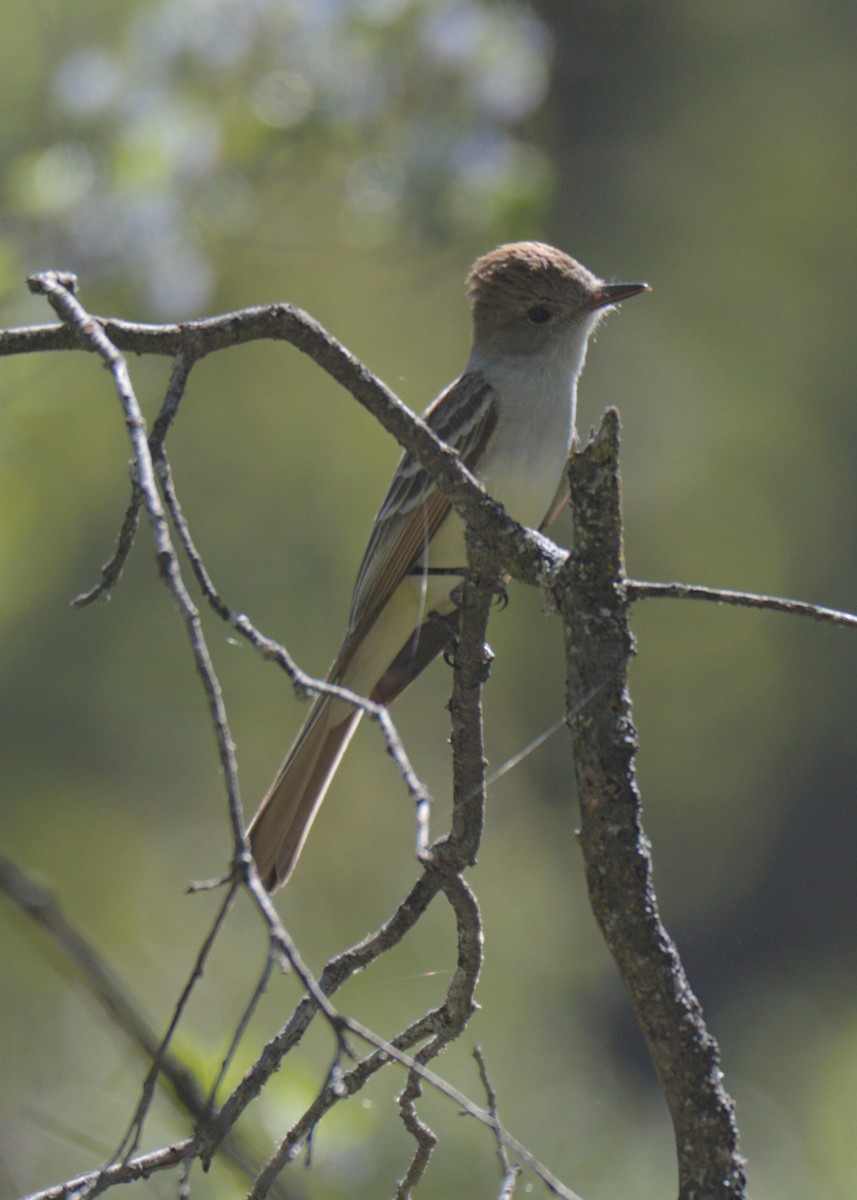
(539, 315)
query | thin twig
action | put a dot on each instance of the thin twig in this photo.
(131, 1140)
(111, 572)
(240, 1029)
(638, 590)
(511, 1171)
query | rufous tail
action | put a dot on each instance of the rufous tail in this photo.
(280, 827)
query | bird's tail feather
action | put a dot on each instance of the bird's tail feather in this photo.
(279, 828)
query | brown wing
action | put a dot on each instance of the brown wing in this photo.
(464, 416)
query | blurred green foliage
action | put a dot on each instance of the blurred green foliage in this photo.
(187, 156)
(196, 117)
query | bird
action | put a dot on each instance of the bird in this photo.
(510, 417)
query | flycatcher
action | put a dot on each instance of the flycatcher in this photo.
(510, 416)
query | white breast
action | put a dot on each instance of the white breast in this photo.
(533, 438)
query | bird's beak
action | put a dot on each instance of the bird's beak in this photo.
(614, 293)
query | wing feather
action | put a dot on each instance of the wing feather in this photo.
(464, 416)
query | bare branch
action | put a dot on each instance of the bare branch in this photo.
(616, 851)
(638, 590)
(136, 1168)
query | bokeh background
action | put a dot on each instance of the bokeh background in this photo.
(354, 156)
